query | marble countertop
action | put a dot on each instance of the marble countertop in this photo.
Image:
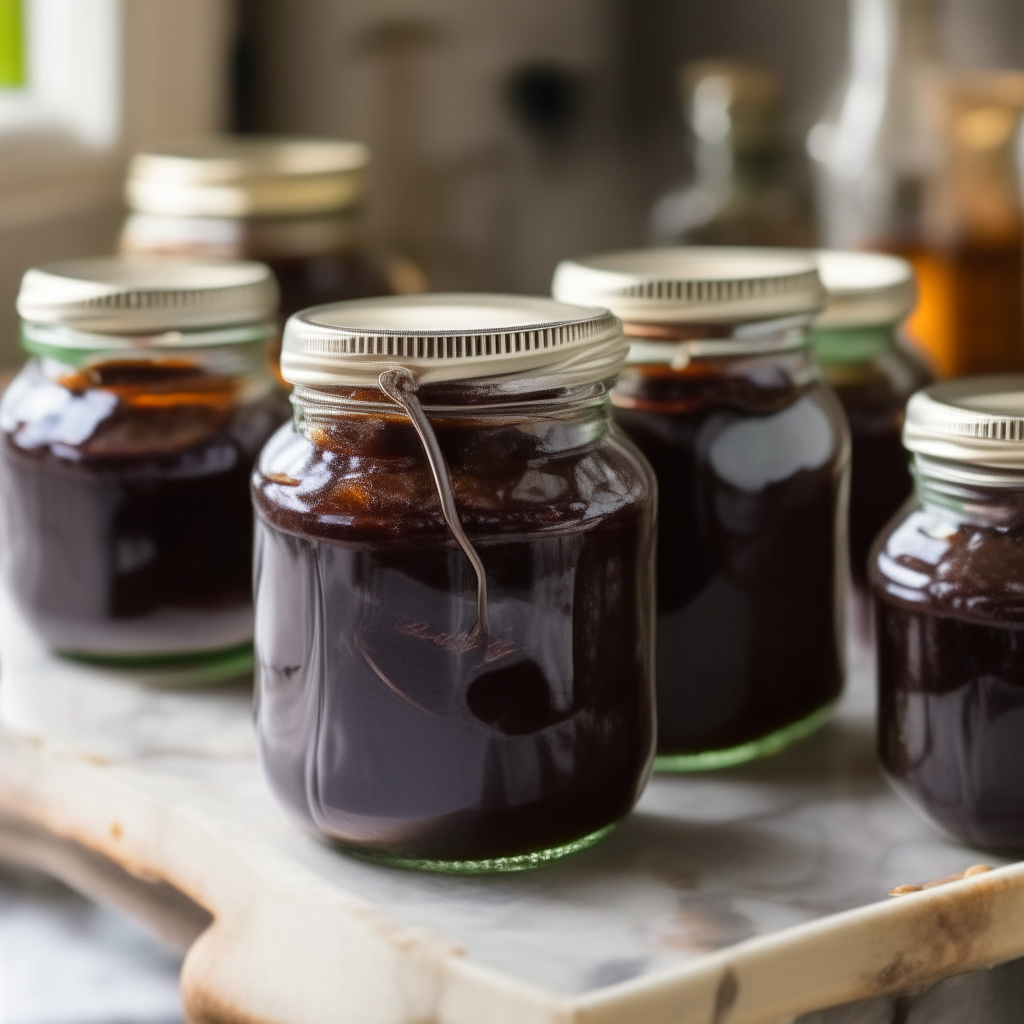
(64, 960)
(760, 889)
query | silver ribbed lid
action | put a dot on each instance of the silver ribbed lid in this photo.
(694, 285)
(450, 337)
(865, 289)
(247, 176)
(144, 295)
(976, 420)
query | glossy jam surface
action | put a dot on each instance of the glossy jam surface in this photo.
(126, 505)
(750, 459)
(874, 394)
(949, 591)
(385, 722)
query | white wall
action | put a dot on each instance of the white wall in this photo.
(457, 182)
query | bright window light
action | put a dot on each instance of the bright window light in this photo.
(12, 45)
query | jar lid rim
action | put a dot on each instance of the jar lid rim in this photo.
(221, 158)
(976, 420)
(247, 176)
(140, 295)
(694, 284)
(865, 289)
(450, 336)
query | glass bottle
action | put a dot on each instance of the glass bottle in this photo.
(126, 444)
(739, 195)
(946, 577)
(918, 162)
(863, 358)
(454, 583)
(723, 395)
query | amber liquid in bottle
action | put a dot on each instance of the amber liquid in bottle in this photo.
(970, 313)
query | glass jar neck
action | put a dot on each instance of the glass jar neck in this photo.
(298, 236)
(845, 346)
(139, 368)
(964, 493)
(452, 399)
(678, 345)
(560, 419)
(71, 347)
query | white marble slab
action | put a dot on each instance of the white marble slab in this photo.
(64, 960)
(730, 896)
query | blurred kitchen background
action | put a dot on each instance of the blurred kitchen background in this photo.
(504, 137)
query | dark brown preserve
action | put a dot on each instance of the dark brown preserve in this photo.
(386, 721)
(948, 580)
(873, 392)
(750, 455)
(126, 503)
(307, 274)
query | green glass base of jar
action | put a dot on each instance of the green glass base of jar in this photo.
(490, 865)
(191, 669)
(764, 746)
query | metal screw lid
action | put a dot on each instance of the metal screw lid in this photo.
(243, 176)
(975, 420)
(142, 295)
(864, 289)
(694, 285)
(451, 337)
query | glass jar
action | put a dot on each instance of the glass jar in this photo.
(948, 582)
(856, 340)
(454, 582)
(723, 396)
(127, 443)
(292, 203)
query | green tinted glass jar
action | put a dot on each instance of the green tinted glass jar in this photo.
(722, 393)
(862, 356)
(454, 582)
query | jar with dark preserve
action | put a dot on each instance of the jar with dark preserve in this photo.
(863, 358)
(948, 582)
(723, 396)
(454, 582)
(292, 203)
(126, 445)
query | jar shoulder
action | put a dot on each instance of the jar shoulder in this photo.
(805, 428)
(881, 384)
(933, 560)
(309, 488)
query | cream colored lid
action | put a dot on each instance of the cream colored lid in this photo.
(975, 420)
(865, 289)
(451, 337)
(694, 285)
(247, 176)
(138, 295)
